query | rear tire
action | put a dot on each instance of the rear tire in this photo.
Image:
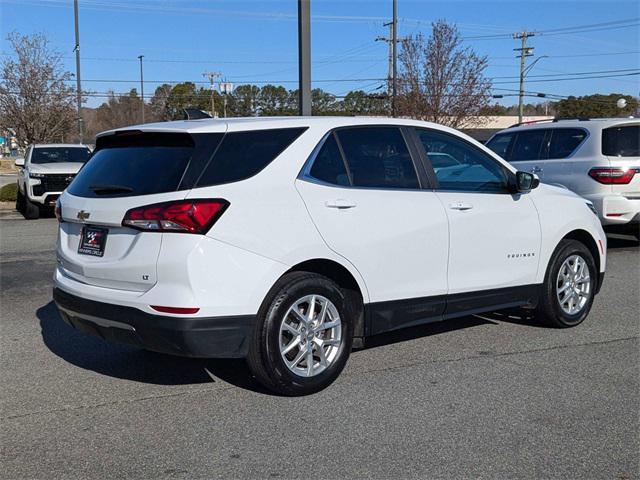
(31, 210)
(286, 335)
(569, 286)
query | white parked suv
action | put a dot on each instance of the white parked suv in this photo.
(597, 159)
(46, 171)
(287, 240)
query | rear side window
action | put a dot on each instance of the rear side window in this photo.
(564, 141)
(60, 154)
(529, 145)
(378, 157)
(621, 141)
(241, 155)
(139, 164)
(500, 144)
(328, 165)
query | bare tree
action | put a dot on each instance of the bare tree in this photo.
(35, 100)
(441, 81)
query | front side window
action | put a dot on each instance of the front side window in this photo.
(500, 144)
(621, 141)
(60, 155)
(328, 165)
(474, 171)
(529, 145)
(564, 141)
(378, 157)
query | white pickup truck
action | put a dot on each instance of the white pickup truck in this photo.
(45, 172)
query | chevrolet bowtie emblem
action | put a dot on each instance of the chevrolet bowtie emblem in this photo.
(82, 215)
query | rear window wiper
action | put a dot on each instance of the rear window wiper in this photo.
(100, 189)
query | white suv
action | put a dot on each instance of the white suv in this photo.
(46, 171)
(286, 240)
(597, 159)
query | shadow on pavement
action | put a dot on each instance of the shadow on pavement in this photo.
(119, 361)
(615, 242)
(129, 363)
(427, 330)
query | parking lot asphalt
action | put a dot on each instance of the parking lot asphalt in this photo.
(495, 396)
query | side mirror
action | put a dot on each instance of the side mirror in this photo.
(19, 162)
(525, 182)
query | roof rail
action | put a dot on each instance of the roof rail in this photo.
(551, 120)
(532, 122)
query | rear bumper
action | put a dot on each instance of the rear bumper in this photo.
(204, 337)
(616, 209)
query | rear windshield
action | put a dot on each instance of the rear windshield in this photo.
(134, 165)
(621, 141)
(60, 155)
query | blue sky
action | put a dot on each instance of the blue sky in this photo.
(251, 42)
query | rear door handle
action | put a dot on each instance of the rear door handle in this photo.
(460, 206)
(340, 203)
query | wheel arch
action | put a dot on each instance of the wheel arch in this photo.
(588, 241)
(353, 287)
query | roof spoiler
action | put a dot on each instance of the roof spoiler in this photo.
(195, 114)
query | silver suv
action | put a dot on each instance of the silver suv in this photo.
(597, 159)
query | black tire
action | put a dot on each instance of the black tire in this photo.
(549, 310)
(264, 358)
(19, 201)
(31, 210)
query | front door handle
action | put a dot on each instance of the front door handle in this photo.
(536, 169)
(339, 203)
(460, 206)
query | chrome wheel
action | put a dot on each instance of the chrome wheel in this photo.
(310, 335)
(573, 285)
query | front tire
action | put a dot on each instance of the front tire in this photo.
(303, 335)
(569, 286)
(31, 210)
(19, 201)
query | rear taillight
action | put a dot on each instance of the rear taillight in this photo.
(58, 210)
(612, 176)
(187, 216)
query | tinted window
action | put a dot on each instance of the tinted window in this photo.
(621, 141)
(529, 145)
(140, 165)
(328, 165)
(60, 154)
(243, 154)
(378, 157)
(564, 141)
(474, 171)
(500, 144)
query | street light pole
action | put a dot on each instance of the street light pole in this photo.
(140, 57)
(78, 83)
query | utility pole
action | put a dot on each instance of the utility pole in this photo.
(389, 41)
(212, 78)
(78, 83)
(140, 57)
(304, 57)
(524, 52)
(394, 49)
